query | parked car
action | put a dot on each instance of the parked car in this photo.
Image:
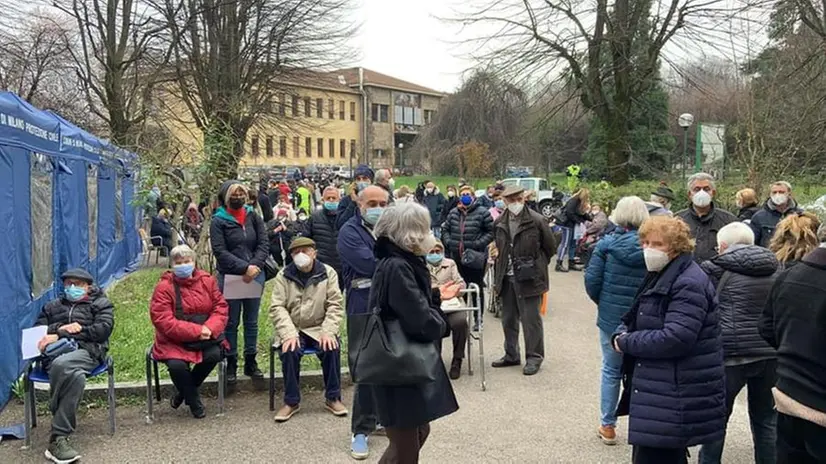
(548, 199)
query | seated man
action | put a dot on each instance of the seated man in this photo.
(306, 312)
(444, 275)
(83, 319)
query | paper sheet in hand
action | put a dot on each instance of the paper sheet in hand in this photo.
(236, 289)
(28, 342)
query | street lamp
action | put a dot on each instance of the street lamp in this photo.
(685, 121)
(401, 158)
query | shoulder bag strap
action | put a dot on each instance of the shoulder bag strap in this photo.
(179, 303)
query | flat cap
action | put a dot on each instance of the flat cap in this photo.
(78, 273)
(512, 190)
(302, 242)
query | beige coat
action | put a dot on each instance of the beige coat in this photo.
(447, 272)
(315, 310)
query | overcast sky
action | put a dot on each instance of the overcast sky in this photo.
(402, 38)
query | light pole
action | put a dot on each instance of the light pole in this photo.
(685, 121)
(401, 157)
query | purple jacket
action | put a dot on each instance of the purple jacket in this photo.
(678, 387)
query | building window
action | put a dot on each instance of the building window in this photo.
(254, 146)
(282, 104)
(352, 111)
(352, 148)
(341, 109)
(428, 116)
(379, 113)
(295, 105)
(342, 152)
(282, 146)
(378, 153)
(319, 108)
(331, 109)
(308, 147)
(332, 148)
(308, 111)
(270, 147)
(296, 149)
(320, 147)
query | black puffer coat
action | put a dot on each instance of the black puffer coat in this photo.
(751, 273)
(435, 203)
(234, 245)
(471, 226)
(323, 230)
(94, 314)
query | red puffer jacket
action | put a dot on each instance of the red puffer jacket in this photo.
(199, 295)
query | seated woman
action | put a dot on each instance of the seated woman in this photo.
(445, 276)
(306, 312)
(189, 314)
(161, 227)
(671, 337)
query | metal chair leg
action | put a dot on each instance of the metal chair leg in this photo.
(482, 356)
(150, 417)
(470, 343)
(157, 380)
(27, 407)
(222, 381)
(111, 394)
(272, 378)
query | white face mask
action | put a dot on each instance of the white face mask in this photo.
(516, 208)
(780, 198)
(429, 190)
(655, 260)
(302, 260)
(701, 199)
(451, 193)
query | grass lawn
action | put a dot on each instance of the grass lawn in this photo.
(134, 331)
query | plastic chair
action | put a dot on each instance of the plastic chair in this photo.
(152, 368)
(34, 374)
(149, 247)
(273, 351)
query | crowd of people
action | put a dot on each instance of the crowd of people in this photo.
(692, 307)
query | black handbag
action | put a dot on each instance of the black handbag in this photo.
(473, 259)
(200, 345)
(385, 355)
(270, 268)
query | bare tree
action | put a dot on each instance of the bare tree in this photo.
(31, 54)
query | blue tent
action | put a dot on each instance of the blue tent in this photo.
(65, 201)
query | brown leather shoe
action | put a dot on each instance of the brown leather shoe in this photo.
(336, 407)
(286, 412)
(608, 434)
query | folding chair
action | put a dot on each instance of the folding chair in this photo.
(34, 374)
(474, 308)
(152, 368)
(149, 247)
(273, 353)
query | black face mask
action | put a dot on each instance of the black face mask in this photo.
(237, 203)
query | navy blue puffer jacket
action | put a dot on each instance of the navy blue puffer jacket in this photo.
(614, 274)
(678, 388)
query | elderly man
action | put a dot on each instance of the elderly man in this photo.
(355, 247)
(780, 204)
(384, 179)
(306, 313)
(526, 245)
(79, 325)
(322, 228)
(660, 201)
(362, 178)
(434, 201)
(702, 217)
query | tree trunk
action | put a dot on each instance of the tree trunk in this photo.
(616, 144)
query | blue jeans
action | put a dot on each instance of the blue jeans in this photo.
(330, 368)
(609, 388)
(567, 245)
(759, 377)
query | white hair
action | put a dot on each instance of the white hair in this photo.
(383, 175)
(736, 233)
(330, 189)
(406, 224)
(783, 183)
(630, 212)
(701, 176)
(232, 188)
(660, 200)
(182, 251)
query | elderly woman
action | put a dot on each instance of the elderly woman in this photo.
(746, 203)
(444, 275)
(401, 289)
(794, 238)
(673, 351)
(189, 314)
(240, 244)
(613, 275)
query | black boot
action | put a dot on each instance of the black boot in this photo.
(251, 368)
(232, 369)
(560, 267)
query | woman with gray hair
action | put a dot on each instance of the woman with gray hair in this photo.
(615, 272)
(189, 314)
(401, 291)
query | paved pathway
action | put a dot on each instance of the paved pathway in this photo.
(548, 418)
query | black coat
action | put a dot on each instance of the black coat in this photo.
(704, 229)
(435, 203)
(751, 272)
(745, 214)
(95, 315)
(281, 241)
(266, 206)
(573, 216)
(401, 289)
(450, 204)
(793, 322)
(322, 228)
(163, 229)
(531, 243)
(236, 247)
(471, 226)
(765, 221)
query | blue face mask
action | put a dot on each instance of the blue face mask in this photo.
(74, 293)
(434, 258)
(466, 200)
(183, 271)
(331, 205)
(362, 185)
(372, 215)
(499, 204)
